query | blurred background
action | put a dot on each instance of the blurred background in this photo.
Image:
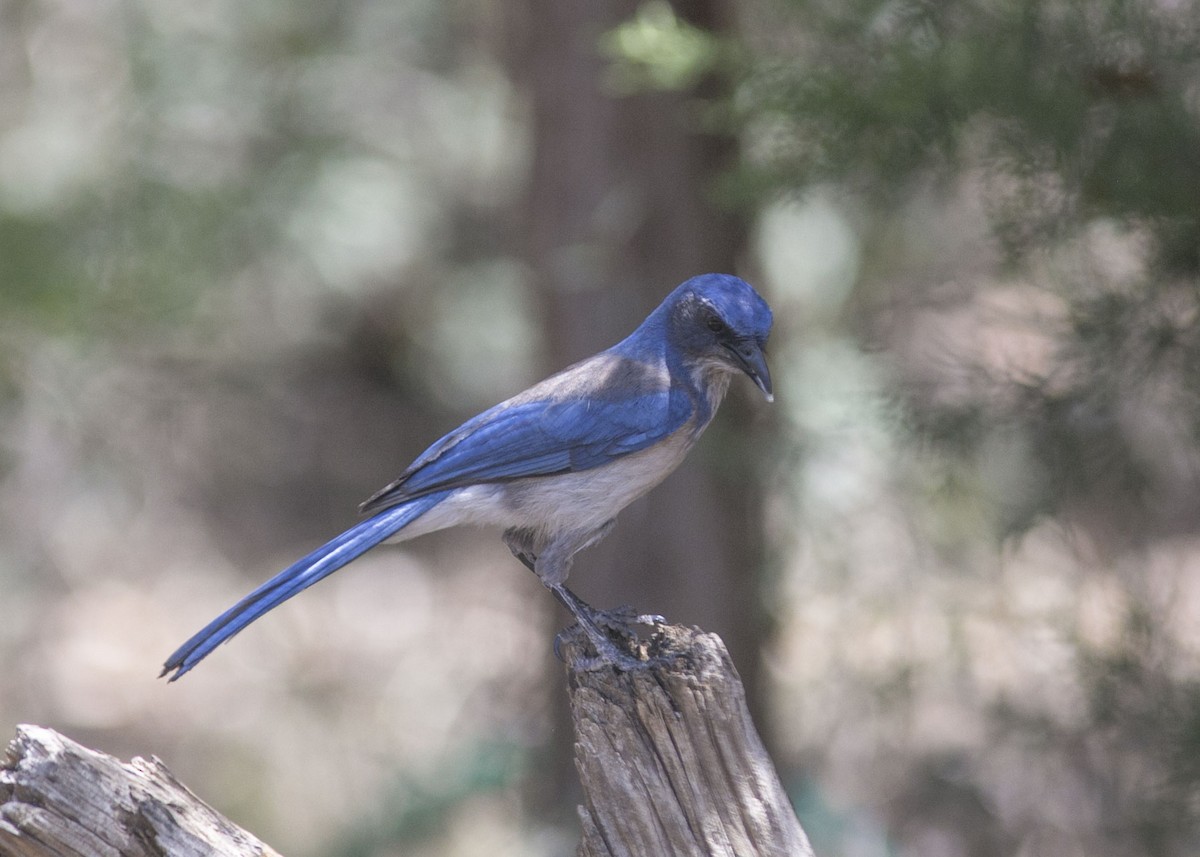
(255, 257)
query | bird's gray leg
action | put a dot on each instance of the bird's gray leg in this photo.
(521, 543)
(551, 562)
(620, 619)
(608, 653)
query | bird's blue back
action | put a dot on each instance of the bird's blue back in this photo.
(618, 402)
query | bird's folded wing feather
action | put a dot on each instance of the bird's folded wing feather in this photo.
(523, 439)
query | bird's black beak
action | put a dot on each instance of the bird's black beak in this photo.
(749, 356)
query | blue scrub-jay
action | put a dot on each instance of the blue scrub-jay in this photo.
(553, 466)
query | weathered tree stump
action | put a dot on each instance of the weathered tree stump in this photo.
(60, 799)
(670, 760)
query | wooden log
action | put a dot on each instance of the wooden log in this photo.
(670, 761)
(668, 757)
(60, 799)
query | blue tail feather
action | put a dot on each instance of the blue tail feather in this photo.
(297, 577)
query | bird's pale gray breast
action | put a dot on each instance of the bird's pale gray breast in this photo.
(588, 498)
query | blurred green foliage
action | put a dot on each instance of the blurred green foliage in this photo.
(1067, 120)
(1096, 99)
(1024, 181)
(655, 49)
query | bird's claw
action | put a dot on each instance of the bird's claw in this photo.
(623, 619)
(627, 656)
(607, 651)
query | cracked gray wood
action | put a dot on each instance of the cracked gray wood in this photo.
(670, 761)
(60, 799)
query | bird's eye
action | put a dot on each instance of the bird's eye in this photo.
(715, 324)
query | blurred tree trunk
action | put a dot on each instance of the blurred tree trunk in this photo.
(620, 212)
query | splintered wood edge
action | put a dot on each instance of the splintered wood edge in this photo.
(670, 760)
(58, 797)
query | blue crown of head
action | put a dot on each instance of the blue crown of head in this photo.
(738, 304)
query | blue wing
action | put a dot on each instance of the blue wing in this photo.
(559, 426)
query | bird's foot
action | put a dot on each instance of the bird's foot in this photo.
(610, 633)
(607, 653)
(615, 646)
(623, 619)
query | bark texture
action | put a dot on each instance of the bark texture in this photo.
(60, 799)
(670, 761)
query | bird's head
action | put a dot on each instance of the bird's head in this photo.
(721, 322)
